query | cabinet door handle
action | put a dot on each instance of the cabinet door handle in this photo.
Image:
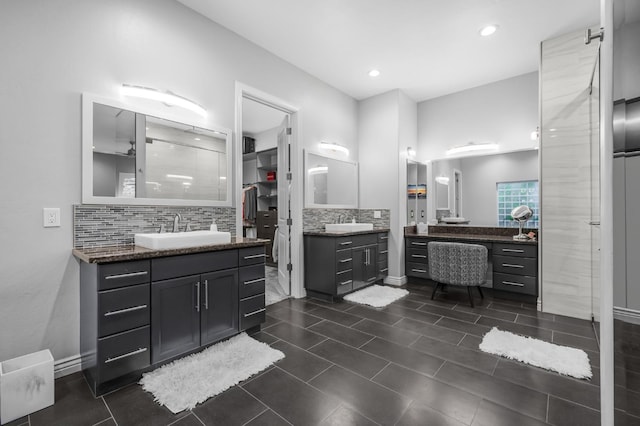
(124, 311)
(510, 265)
(384, 252)
(513, 250)
(255, 312)
(257, 280)
(419, 256)
(130, 274)
(346, 260)
(346, 243)
(198, 296)
(346, 282)
(115, 358)
(344, 272)
(254, 256)
(419, 270)
(413, 243)
(384, 237)
(206, 294)
(266, 226)
(372, 279)
(384, 270)
(512, 283)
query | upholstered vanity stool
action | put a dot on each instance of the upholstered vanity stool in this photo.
(458, 264)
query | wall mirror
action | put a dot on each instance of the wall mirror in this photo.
(135, 157)
(492, 186)
(329, 182)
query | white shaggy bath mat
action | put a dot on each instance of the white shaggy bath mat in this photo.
(376, 295)
(561, 359)
(186, 382)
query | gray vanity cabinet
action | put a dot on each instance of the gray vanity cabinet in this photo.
(337, 264)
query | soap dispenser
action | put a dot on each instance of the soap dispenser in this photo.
(213, 226)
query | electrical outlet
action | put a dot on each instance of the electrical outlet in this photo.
(377, 214)
(51, 217)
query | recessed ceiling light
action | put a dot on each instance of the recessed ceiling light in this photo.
(374, 73)
(488, 30)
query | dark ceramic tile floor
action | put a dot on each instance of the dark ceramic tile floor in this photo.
(415, 362)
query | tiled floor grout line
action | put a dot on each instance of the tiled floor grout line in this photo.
(104, 401)
(197, 418)
(367, 342)
(257, 415)
(268, 408)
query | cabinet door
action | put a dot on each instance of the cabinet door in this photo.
(219, 307)
(175, 320)
(359, 258)
(371, 264)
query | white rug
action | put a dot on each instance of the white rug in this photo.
(377, 296)
(186, 382)
(561, 359)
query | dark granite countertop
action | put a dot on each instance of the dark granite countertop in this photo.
(472, 237)
(345, 234)
(485, 234)
(133, 252)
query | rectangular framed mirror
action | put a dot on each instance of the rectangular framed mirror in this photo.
(131, 156)
(329, 182)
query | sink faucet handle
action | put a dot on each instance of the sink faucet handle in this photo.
(188, 227)
(161, 230)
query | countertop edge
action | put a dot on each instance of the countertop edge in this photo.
(345, 234)
(474, 237)
(110, 254)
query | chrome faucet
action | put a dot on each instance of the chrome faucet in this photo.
(176, 220)
(340, 218)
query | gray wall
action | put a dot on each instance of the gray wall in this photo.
(55, 51)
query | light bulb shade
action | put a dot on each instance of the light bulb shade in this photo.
(318, 170)
(442, 179)
(165, 97)
(472, 147)
(334, 147)
(411, 152)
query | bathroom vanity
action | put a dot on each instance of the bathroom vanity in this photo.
(513, 264)
(338, 263)
(141, 308)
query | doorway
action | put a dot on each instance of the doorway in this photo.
(264, 128)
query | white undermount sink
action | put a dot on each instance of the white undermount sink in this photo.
(454, 220)
(348, 227)
(175, 240)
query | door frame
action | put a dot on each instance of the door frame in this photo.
(243, 91)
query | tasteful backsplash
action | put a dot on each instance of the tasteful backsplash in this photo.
(112, 225)
(313, 220)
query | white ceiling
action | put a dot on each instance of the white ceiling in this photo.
(427, 48)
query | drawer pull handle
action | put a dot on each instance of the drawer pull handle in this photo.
(266, 226)
(372, 279)
(420, 256)
(255, 256)
(346, 243)
(513, 250)
(131, 274)
(512, 283)
(346, 282)
(116, 358)
(255, 312)
(384, 270)
(413, 243)
(344, 272)
(257, 280)
(384, 252)
(126, 310)
(419, 270)
(346, 260)
(511, 265)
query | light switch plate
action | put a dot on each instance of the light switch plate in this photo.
(51, 217)
(377, 214)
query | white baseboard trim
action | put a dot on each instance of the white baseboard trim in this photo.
(626, 315)
(66, 366)
(397, 281)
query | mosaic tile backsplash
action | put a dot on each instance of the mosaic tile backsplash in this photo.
(313, 220)
(112, 225)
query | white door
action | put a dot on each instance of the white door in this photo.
(284, 207)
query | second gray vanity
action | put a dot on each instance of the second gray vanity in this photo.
(336, 263)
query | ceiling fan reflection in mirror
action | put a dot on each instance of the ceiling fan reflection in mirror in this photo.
(131, 152)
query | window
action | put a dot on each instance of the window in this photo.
(514, 194)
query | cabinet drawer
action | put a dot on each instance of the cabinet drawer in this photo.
(383, 237)
(419, 270)
(417, 243)
(343, 243)
(164, 268)
(251, 255)
(518, 250)
(344, 285)
(124, 353)
(383, 269)
(343, 276)
(114, 275)
(252, 280)
(252, 312)
(123, 309)
(515, 283)
(267, 215)
(344, 261)
(418, 255)
(515, 265)
(365, 240)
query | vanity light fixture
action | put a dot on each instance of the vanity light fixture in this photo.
(442, 179)
(374, 73)
(411, 152)
(164, 96)
(180, 177)
(472, 147)
(535, 134)
(318, 170)
(488, 30)
(334, 147)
